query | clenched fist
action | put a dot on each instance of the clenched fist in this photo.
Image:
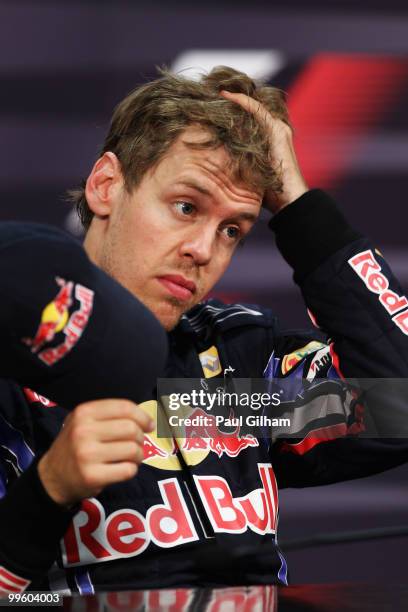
(101, 443)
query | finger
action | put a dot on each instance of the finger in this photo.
(144, 420)
(111, 473)
(249, 104)
(116, 430)
(120, 451)
(107, 409)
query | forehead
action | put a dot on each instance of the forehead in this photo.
(189, 155)
(190, 147)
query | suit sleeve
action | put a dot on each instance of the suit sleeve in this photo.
(72, 333)
(353, 297)
(31, 526)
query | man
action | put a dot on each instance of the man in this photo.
(180, 181)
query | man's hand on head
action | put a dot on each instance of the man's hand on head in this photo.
(101, 443)
(283, 153)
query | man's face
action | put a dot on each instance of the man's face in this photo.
(172, 238)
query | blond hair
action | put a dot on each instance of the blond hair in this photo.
(150, 118)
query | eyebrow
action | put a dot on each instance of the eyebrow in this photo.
(245, 216)
(194, 185)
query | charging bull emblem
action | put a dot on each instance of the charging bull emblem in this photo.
(56, 318)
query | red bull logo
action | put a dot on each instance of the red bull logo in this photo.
(95, 536)
(244, 599)
(195, 443)
(209, 437)
(55, 319)
(230, 446)
(369, 270)
(151, 450)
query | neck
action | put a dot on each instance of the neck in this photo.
(92, 243)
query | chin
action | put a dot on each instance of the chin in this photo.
(168, 322)
(168, 314)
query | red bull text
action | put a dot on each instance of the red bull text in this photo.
(93, 536)
(55, 319)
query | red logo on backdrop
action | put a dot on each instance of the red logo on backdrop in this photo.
(94, 537)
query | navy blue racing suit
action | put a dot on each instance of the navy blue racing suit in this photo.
(198, 503)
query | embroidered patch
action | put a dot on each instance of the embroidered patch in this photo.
(58, 320)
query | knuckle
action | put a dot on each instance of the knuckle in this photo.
(142, 417)
(88, 478)
(139, 435)
(83, 411)
(130, 470)
(85, 454)
(139, 454)
(127, 408)
(133, 449)
(132, 429)
(80, 432)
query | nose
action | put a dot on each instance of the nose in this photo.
(198, 244)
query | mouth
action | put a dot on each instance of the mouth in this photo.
(178, 286)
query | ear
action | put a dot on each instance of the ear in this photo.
(104, 184)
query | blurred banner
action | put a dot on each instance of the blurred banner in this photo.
(344, 66)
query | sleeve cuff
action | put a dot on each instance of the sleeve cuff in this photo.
(309, 231)
(31, 526)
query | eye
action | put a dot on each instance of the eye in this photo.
(185, 208)
(232, 232)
